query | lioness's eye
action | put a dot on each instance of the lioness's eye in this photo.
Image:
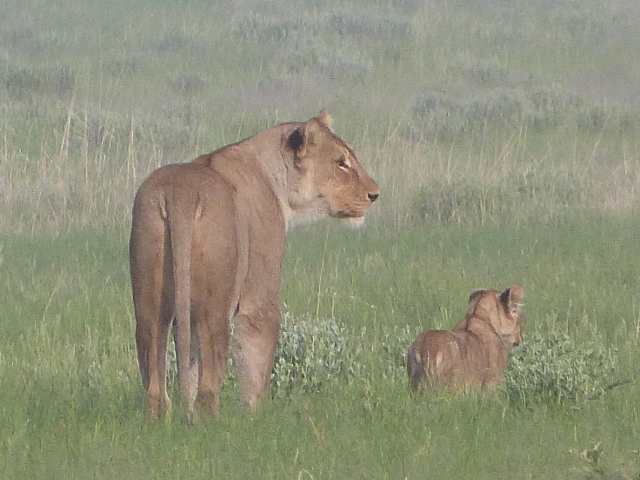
(342, 163)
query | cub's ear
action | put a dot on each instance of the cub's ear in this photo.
(325, 119)
(512, 298)
(474, 298)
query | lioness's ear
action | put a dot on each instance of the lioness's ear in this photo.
(325, 119)
(311, 129)
(512, 298)
(295, 141)
(303, 137)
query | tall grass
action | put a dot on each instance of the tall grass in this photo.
(455, 107)
(504, 139)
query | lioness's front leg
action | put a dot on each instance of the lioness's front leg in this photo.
(256, 339)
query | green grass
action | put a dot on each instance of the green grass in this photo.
(71, 400)
(504, 138)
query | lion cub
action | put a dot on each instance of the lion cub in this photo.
(474, 353)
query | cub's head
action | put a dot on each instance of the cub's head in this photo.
(325, 177)
(501, 311)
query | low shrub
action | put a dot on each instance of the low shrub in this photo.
(501, 201)
(26, 83)
(463, 204)
(394, 345)
(311, 354)
(314, 354)
(539, 107)
(554, 370)
(187, 84)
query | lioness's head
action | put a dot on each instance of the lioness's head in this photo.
(325, 177)
(502, 311)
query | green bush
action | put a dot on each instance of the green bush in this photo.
(311, 354)
(500, 202)
(394, 346)
(25, 83)
(315, 353)
(464, 204)
(537, 106)
(555, 370)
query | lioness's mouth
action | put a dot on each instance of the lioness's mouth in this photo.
(353, 222)
(349, 217)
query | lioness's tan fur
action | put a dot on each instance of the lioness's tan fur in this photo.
(474, 353)
(207, 242)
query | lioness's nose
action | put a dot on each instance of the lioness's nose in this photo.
(373, 196)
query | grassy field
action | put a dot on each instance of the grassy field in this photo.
(504, 138)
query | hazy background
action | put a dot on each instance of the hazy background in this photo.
(505, 139)
(447, 103)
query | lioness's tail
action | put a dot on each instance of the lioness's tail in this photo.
(180, 217)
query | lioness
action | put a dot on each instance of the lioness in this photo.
(474, 353)
(207, 242)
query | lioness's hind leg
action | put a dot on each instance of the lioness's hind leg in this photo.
(214, 270)
(194, 365)
(163, 339)
(214, 338)
(153, 312)
(151, 339)
(255, 345)
(211, 315)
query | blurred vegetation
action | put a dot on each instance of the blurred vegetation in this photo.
(455, 107)
(504, 137)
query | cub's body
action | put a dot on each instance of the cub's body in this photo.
(474, 353)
